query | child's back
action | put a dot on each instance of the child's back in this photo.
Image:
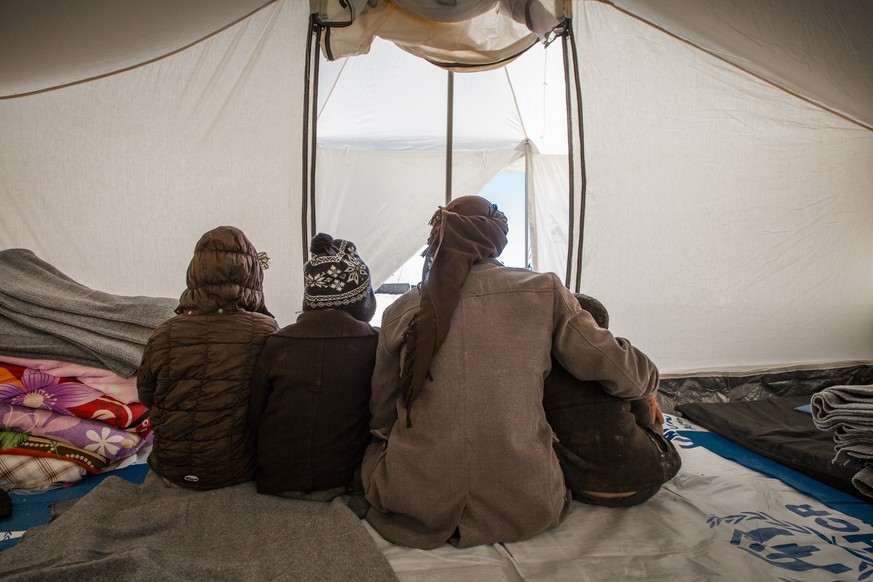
(605, 444)
(196, 368)
(311, 402)
(311, 386)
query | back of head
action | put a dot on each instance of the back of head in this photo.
(226, 274)
(595, 308)
(470, 226)
(335, 277)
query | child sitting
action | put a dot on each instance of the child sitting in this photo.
(311, 385)
(612, 451)
(196, 366)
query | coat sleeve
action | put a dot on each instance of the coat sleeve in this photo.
(590, 352)
(146, 378)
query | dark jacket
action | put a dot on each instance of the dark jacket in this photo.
(310, 402)
(604, 443)
(196, 367)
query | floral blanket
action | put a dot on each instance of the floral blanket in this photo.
(113, 443)
(21, 443)
(36, 389)
(55, 430)
(121, 388)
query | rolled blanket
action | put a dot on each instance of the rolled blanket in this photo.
(857, 419)
(843, 405)
(848, 451)
(21, 341)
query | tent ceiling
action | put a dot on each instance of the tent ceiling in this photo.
(821, 51)
(46, 44)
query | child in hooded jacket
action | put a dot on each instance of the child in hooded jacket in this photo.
(196, 368)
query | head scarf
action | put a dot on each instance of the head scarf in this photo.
(468, 230)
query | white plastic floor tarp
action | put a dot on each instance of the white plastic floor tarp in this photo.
(716, 520)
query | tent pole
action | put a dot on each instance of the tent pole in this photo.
(528, 256)
(450, 105)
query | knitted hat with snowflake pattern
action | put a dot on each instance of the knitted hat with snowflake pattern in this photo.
(335, 277)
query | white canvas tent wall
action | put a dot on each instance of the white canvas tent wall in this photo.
(728, 153)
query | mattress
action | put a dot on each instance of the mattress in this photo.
(775, 429)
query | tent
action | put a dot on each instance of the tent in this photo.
(727, 157)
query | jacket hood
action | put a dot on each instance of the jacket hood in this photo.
(225, 274)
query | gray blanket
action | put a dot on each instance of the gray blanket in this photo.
(46, 314)
(848, 411)
(843, 405)
(124, 531)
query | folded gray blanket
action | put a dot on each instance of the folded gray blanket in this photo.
(838, 405)
(846, 434)
(860, 419)
(46, 314)
(848, 411)
(124, 531)
(863, 481)
(861, 451)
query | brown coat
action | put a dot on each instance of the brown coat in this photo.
(478, 456)
(310, 402)
(196, 367)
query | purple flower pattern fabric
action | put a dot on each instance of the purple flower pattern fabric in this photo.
(43, 391)
(113, 443)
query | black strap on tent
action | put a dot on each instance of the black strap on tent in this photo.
(313, 144)
(583, 175)
(310, 106)
(572, 202)
(574, 94)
